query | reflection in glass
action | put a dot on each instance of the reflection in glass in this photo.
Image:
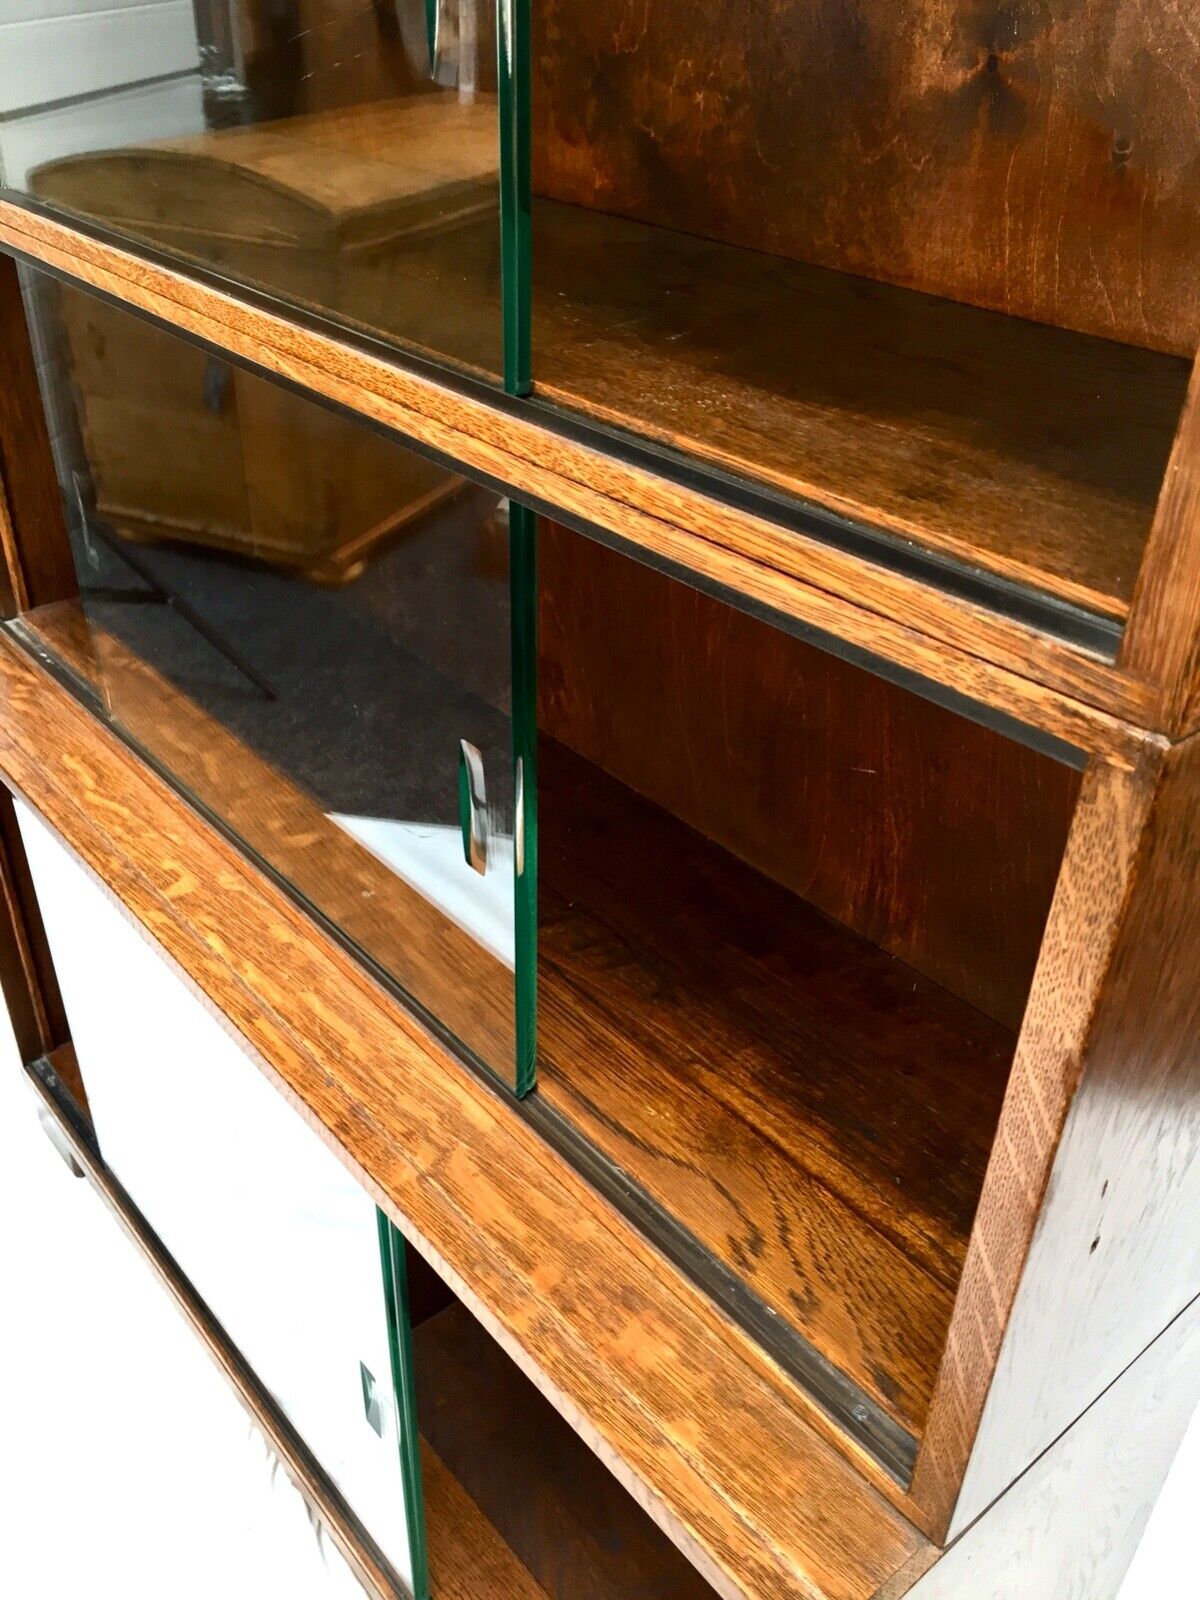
(341, 154)
(306, 625)
(276, 1237)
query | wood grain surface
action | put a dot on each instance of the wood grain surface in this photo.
(681, 1406)
(979, 436)
(900, 621)
(1040, 159)
(1089, 903)
(934, 838)
(814, 1112)
(1162, 641)
(1116, 1254)
(572, 1529)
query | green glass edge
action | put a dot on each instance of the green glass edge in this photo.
(431, 34)
(395, 1293)
(464, 803)
(522, 571)
(516, 187)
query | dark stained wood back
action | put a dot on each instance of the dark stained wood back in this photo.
(1040, 157)
(935, 838)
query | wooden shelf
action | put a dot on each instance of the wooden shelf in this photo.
(812, 1110)
(491, 1442)
(979, 436)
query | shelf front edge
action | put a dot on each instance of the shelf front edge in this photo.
(1003, 664)
(724, 1451)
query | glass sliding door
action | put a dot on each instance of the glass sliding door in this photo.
(340, 156)
(309, 628)
(275, 1235)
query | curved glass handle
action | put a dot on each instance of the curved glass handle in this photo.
(472, 806)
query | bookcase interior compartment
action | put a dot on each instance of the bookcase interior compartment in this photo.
(788, 919)
(559, 1525)
(929, 269)
(789, 911)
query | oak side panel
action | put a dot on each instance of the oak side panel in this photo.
(934, 838)
(1069, 1527)
(1069, 984)
(997, 661)
(1041, 160)
(1161, 644)
(685, 1410)
(37, 556)
(1116, 1252)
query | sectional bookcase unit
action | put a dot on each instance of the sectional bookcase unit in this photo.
(618, 595)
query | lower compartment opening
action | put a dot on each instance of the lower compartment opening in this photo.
(515, 1503)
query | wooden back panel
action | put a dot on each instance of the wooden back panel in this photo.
(1040, 157)
(937, 839)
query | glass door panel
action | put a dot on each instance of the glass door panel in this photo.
(275, 1235)
(340, 155)
(308, 627)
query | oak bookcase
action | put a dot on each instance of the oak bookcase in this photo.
(601, 667)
